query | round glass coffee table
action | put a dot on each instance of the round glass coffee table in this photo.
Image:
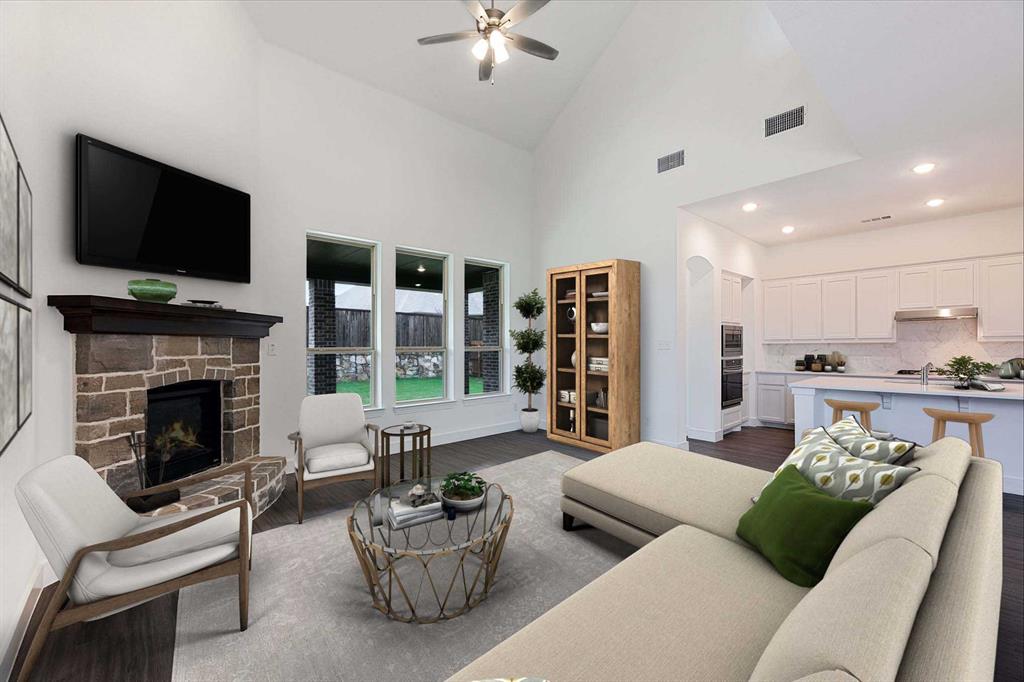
(431, 571)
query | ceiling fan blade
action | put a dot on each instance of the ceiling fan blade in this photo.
(487, 65)
(448, 37)
(522, 9)
(477, 10)
(531, 46)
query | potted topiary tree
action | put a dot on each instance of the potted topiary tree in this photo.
(528, 377)
(964, 369)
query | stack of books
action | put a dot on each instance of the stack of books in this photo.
(401, 514)
(595, 364)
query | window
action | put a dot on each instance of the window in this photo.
(421, 353)
(483, 329)
(341, 349)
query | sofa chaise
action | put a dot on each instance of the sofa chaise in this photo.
(912, 593)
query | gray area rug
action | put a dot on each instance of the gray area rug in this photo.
(309, 609)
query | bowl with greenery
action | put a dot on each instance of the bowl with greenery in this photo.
(463, 490)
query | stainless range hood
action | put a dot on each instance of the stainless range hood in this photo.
(966, 313)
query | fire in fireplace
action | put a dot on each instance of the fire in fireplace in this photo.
(183, 430)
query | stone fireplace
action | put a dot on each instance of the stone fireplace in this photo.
(193, 397)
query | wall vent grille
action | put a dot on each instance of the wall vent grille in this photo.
(787, 120)
(875, 220)
(673, 160)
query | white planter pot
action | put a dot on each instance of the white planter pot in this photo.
(529, 420)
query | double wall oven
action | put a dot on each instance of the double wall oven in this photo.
(732, 365)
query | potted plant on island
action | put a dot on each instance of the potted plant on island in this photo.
(964, 369)
(463, 490)
(528, 377)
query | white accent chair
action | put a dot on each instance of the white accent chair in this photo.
(110, 558)
(334, 443)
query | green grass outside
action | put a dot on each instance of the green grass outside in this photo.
(413, 388)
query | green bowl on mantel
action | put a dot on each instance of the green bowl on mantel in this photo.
(152, 290)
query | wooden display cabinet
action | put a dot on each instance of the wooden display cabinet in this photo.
(600, 366)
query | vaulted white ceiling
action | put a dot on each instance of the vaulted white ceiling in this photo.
(910, 82)
(375, 42)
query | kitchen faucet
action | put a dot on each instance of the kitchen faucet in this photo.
(924, 373)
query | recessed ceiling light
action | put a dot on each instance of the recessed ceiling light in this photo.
(935, 203)
(418, 284)
(750, 207)
(421, 268)
(787, 229)
(923, 168)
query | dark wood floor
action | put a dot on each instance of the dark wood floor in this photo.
(138, 644)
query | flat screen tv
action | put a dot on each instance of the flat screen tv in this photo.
(140, 214)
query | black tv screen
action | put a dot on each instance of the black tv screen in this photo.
(140, 214)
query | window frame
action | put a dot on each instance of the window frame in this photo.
(502, 347)
(373, 350)
(446, 320)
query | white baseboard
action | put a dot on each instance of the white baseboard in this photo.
(476, 432)
(21, 628)
(683, 445)
(712, 435)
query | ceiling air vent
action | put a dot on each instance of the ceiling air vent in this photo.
(787, 120)
(875, 220)
(673, 160)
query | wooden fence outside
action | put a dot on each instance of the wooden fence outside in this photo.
(411, 329)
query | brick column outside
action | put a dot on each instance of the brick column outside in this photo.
(465, 335)
(322, 330)
(491, 363)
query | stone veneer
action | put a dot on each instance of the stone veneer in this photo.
(113, 372)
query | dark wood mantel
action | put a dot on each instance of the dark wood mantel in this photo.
(108, 315)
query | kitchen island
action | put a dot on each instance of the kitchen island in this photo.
(902, 412)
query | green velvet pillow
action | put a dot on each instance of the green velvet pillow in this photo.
(798, 527)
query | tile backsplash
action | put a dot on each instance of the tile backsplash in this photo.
(916, 343)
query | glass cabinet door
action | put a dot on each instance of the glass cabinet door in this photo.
(564, 355)
(596, 343)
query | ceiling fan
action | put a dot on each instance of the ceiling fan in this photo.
(493, 35)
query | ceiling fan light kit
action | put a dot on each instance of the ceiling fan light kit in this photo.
(493, 37)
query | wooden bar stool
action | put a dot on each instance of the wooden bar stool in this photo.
(863, 409)
(974, 420)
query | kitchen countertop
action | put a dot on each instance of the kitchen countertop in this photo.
(878, 375)
(946, 390)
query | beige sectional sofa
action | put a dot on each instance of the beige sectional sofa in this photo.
(912, 593)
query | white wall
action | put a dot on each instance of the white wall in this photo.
(968, 236)
(597, 193)
(340, 157)
(192, 84)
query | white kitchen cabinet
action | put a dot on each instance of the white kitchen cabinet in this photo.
(917, 287)
(727, 316)
(771, 403)
(737, 299)
(790, 406)
(875, 305)
(732, 299)
(1001, 309)
(777, 311)
(839, 307)
(732, 418)
(954, 284)
(806, 295)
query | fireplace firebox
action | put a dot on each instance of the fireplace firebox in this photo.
(183, 430)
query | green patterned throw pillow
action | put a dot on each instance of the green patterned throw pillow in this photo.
(797, 527)
(838, 473)
(859, 442)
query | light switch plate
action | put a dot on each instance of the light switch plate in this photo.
(271, 349)
(664, 344)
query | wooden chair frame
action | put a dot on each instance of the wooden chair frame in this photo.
(301, 484)
(57, 615)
